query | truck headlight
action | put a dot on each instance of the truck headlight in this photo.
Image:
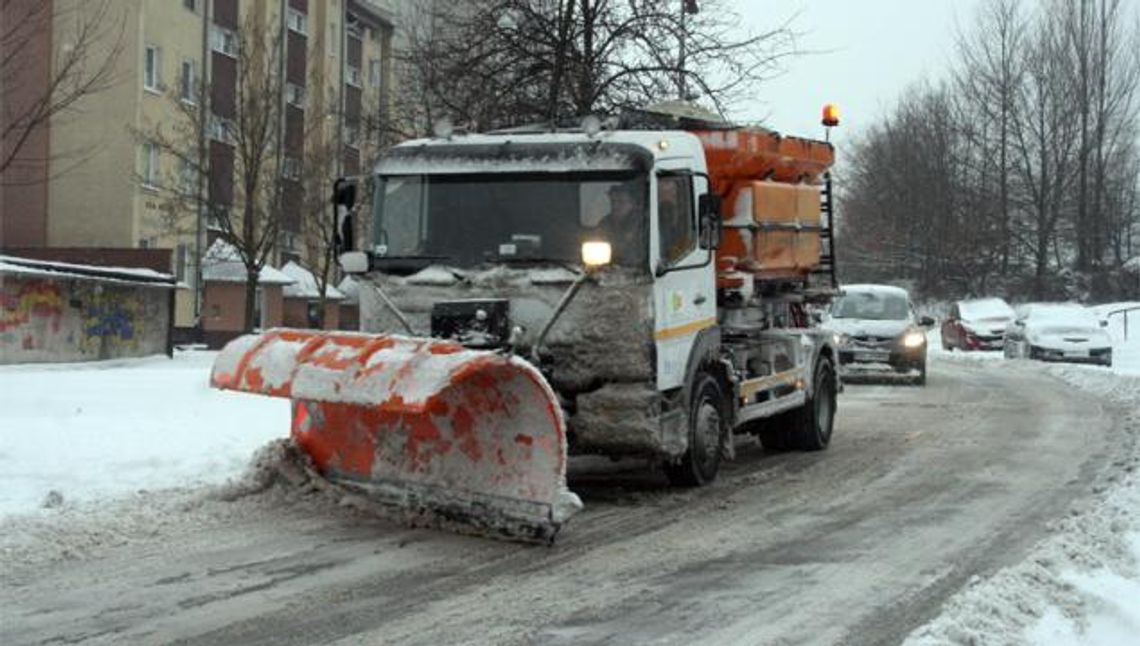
(596, 254)
(913, 339)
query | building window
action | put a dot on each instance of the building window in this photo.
(374, 72)
(187, 178)
(220, 129)
(218, 218)
(334, 42)
(297, 21)
(180, 257)
(295, 95)
(189, 83)
(291, 168)
(353, 76)
(223, 41)
(192, 5)
(355, 29)
(149, 165)
(352, 135)
(152, 66)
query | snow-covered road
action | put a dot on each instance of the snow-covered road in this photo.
(924, 496)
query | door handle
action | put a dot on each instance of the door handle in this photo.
(699, 299)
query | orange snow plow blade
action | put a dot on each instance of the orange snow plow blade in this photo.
(426, 426)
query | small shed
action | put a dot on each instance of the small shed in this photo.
(303, 300)
(59, 312)
(223, 299)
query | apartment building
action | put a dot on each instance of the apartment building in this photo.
(102, 182)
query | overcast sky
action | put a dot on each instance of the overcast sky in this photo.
(869, 51)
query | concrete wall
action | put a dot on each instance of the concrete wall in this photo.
(56, 319)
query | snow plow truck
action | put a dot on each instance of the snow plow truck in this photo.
(643, 289)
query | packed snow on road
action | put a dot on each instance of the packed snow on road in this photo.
(143, 432)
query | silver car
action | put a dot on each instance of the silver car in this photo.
(1058, 332)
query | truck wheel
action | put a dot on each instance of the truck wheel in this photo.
(807, 428)
(707, 428)
(813, 422)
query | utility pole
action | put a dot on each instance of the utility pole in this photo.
(687, 7)
(202, 186)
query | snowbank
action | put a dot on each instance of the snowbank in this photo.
(1081, 585)
(71, 433)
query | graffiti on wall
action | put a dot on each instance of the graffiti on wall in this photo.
(76, 320)
(115, 319)
(25, 305)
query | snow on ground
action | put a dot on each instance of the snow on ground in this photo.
(1080, 586)
(94, 432)
(75, 433)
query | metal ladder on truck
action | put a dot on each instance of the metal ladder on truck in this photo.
(823, 277)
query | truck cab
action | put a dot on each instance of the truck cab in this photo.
(593, 254)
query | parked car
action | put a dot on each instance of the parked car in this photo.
(1058, 332)
(976, 324)
(878, 331)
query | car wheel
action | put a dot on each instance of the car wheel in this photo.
(920, 380)
(707, 429)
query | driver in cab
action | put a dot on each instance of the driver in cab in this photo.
(623, 224)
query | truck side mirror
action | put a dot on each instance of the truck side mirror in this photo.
(708, 213)
(344, 198)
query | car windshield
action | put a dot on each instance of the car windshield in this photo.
(876, 306)
(470, 219)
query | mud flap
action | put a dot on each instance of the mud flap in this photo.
(425, 426)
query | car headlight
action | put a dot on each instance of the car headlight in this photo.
(913, 339)
(842, 340)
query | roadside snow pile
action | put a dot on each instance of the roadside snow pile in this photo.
(1082, 585)
(74, 433)
(1124, 328)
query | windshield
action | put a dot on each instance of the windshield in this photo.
(470, 219)
(875, 306)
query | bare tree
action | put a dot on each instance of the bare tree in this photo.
(84, 65)
(244, 149)
(319, 165)
(500, 62)
(1022, 174)
(988, 78)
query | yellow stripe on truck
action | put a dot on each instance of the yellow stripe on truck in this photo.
(684, 330)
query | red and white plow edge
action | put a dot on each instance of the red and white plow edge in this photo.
(426, 426)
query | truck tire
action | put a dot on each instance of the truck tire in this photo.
(807, 428)
(707, 428)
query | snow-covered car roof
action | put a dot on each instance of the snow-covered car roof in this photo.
(868, 288)
(1074, 313)
(984, 308)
